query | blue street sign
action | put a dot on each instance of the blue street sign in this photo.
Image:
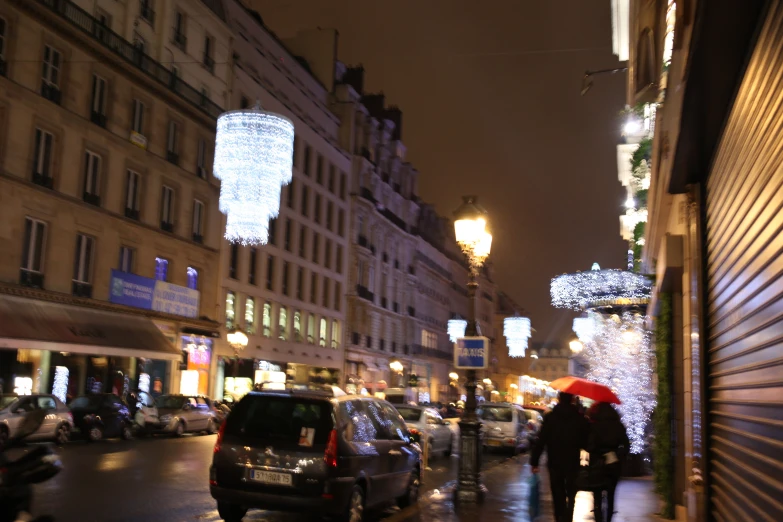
(471, 353)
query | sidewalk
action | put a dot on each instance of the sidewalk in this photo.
(507, 499)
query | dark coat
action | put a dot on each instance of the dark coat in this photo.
(607, 433)
(563, 435)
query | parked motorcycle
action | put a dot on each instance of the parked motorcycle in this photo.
(17, 475)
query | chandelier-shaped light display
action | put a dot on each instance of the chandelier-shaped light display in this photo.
(597, 287)
(456, 329)
(618, 353)
(60, 386)
(517, 332)
(253, 160)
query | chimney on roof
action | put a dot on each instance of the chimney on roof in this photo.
(354, 76)
(374, 104)
(394, 114)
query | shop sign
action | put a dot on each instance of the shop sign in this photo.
(471, 353)
(150, 294)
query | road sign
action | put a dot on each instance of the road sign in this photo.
(471, 353)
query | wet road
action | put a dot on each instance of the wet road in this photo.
(158, 479)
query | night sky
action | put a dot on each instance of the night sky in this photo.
(490, 94)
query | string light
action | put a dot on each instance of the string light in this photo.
(60, 386)
(253, 159)
(517, 332)
(456, 329)
(597, 287)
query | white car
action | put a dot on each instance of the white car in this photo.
(505, 426)
(427, 426)
(146, 417)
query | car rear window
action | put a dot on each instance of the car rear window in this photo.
(409, 414)
(496, 413)
(292, 421)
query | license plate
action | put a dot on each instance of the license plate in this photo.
(269, 477)
(494, 443)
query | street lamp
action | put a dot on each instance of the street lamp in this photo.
(576, 346)
(238, 341)
(470, 230)
(454, 376)
(397, 367)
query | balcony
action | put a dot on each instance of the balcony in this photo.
(132, 213)
(391, 216)
(198, 238)
(146, 13)
(91, 199)
(80, 289)
(98, 119)
(434, 353)
(172, 157)
(179, 39)
(166, 226)
(364, 293)
(51, 93)
(126, 51)
(209, 63)
(43, 180)
(411, 311)
(362, 241)
(31, 279)
(367, 194)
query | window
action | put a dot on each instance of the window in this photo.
(42, 170)
(342, 186)
(198, 221)
(132, 194)
(338, 263)
(313, 287)
(305, 193)
(328, 253)
(192, 278)
(285, 277)
(167, 208)
(92, 170)
(2, 39)
(138, 117)
(371, 279)
(34, 244)
(299, 283)
(233, 260)
(179, 30)
(331, 179)
(316, 240)
(302, 240)
(429, 339)
(146, 11)
(209, 61)
(317, 210)
(287, 237)
(282, 324)
(338, 292)
(161, 269)
(325, 293)
(290, 194)
(319, 169)
(322, 332)
(329, 210)
(201, 159)
(273, 231)
(251, 276)
(172, 145)
(52, 61)
(298, 326)
(98, 109)
(231, 300)
(335, 334)
(266, 320)
(311, 329)
(307, 159)
(341, 222)
(270, 272)
(127, 254)
(250, 316)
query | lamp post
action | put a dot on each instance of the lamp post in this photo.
(470, 223)
(238, 341)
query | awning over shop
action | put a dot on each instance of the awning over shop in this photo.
(40, 325)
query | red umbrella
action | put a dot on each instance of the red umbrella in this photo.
(584, 388)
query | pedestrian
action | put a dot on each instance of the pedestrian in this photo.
(564, 433)
(608, 445)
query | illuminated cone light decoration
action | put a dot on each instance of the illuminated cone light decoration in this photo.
(616, 347)
(517, 332)
(456, 329)
(253, 160)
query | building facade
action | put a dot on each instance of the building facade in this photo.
(111, 230)
(288, 296)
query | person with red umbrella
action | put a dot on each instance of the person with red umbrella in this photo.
(608, 445)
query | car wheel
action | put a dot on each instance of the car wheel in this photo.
(180, 429)
(127, 432)
(412, 493)
(63, 434)
(231, 512)
(355, 510)
(211, 427)
(95, 434)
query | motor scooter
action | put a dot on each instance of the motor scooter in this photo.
(35, 464)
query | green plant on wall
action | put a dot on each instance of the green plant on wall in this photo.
(641, 198)
(642, 152)
(663, 465)
(638, 233)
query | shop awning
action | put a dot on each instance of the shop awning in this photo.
(41, 325)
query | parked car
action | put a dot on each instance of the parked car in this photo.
(7, 399)
(185, 413)
(427, 426)
(221, 411)
(57, 423)
(534, 422)
(505, 426)
(311, 451)
(102, 416)
(146, 414)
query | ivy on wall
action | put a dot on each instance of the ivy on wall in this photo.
(663, 465)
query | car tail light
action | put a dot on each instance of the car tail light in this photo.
(414, 431)
(330, 455)
(219, 440)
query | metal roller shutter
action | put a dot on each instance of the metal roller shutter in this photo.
(744, 263)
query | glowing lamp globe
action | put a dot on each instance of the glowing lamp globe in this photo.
(470, 221)
(253, 160)
(456, 329)
(237, 339)
(517, 332)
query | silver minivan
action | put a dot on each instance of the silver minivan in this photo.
(57, 424)
(505, 426)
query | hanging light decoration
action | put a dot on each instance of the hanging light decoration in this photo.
(596, 287)
(253, 160)
(60, 386)
(517, 332)
(456, 328)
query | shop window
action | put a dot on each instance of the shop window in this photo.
(250, 316)
(335, 334)
(282, 324)
(231, 300)
(267, 320)
(161, 269)
(311, 329)
(192, 278)
(322, 333)
(298, 326)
